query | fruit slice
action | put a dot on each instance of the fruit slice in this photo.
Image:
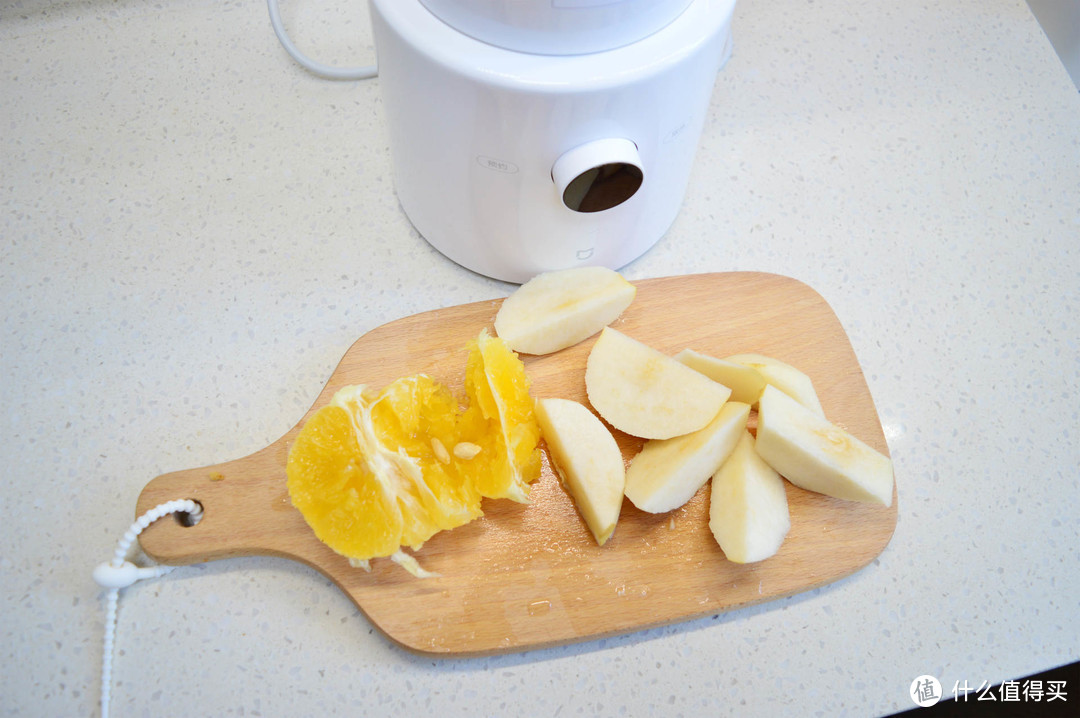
(748, 509)
(408, 417)
(499, 420)
(558, 309)
(372, 472)
(784, 377)
(587, 460)
(746, 383)
(645, 393)
(363, 480)
(667, 473)
(817, 455)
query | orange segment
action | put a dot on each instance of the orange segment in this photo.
(371, 472)
(336, 492)
(363, 474)
(409, 414)
(500, 420)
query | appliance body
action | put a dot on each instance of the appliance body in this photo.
(511, 162)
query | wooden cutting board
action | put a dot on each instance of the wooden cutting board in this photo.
(525, 576)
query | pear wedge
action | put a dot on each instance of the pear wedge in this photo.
(555, 310)
(588, 461)
(646, 393)
(666, 474)
(746, 383)
(815, 454)
(784, 377)
(748, 508)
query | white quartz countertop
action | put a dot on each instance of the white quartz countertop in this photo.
(193, 230)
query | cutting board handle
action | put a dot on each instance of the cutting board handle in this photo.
(246, 511)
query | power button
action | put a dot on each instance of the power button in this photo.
(598, 175)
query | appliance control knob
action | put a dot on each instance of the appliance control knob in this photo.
(598, 175)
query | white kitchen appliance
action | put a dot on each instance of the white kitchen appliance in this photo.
(534, 135)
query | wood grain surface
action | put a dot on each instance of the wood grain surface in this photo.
(526, 576)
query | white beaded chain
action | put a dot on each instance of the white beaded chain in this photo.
(120, 573)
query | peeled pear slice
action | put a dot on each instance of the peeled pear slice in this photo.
(646, 393)
(748, 508)
(667, 473)
(587, 460)
(815, 454)
(555, 310)
(746, 383)
(784, 377)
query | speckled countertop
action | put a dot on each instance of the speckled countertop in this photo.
(193, 230)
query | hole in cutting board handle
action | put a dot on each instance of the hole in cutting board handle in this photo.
(186, 519)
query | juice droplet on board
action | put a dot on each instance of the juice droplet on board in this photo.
(537, 608)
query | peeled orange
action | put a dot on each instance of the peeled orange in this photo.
(374, 471)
